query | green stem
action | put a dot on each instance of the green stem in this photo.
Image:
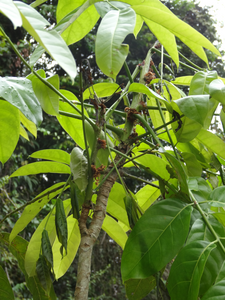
(128, 72)
(124, 174)
(168, 56)
(190, 62)
(155, 108)
(206, 221)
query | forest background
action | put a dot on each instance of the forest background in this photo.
(106, 280)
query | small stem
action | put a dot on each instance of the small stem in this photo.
(155, 108)
(124, 174)
(128, 72)
(190, 62)
(168, 56)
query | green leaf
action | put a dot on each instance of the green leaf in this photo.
(217, 291)
(18, 248)
(137, 289)
(194, 168)
(115, 231)
(6, 292)
(37, 3)
(201, 81)
(131, 208)
(80, 27)
(9, 129)
(61, 225)
(147, 195)
(102, 90)
(183, 80)
(217, 196)
(72, 126)
(188, 131)
(28, 124)
(155, 239)
(43, 274)
(138, 25)
(42, 167)
(186, 271)
(109, 50)
(194, 107)
(165, 37)
(36, 55)
(9, 9)
(217, 90)
(46, 247)
(61, 265)
(220, 216)
(31, 210)
(48, 99)
(64, 7)
(214, 264)
(33, 249)
(53, 43)
(23, 133)
(211, 141)
(19, 92)
(179, 169)
(77, 199)
(53, 154)
(79, 168)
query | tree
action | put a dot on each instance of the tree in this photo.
(188, 186)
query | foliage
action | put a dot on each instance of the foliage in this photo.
(179, 216)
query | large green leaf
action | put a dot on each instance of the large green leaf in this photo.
(18, 248)
(200, 82)
(33, 209)
(53, 43)
(48, 99)
(80, 27)
(109, 50)
(217, 291)
(42, 167)
(155, 239)
(79, 168)
(217, 90)
(194, 107)
(9, 129)
(115, 231)
(147, 195)
(214, 264)
(6, 292)
(212, 142)
(61, 265)
(9, 9)
(186, 271)
(137, 289)
(102, 90)
(19, 92)
(187, 130)
(34, 246)
(64, 7)
(53, 154)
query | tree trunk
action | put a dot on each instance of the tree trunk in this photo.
(90, 235)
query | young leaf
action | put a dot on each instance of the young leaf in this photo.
(137, 289)
(77, 199)
(46, 248)
(53, 154)
(186, 271)
(34, 246)
(183, 80)
(43, 274)
(23, 133)
(53, 43)
(30, 126)
(147, 195)
(79, 168)
(110, 52)
(9, 129)
(19, 92)
(9, 9)
(30, 211)
(42, 167)
(217, 291)
(150, 247)
(115, 231)
(6, 292)
(61, 265)
(18, 248)
(194, 107)
(104, 89)
(61, 225)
